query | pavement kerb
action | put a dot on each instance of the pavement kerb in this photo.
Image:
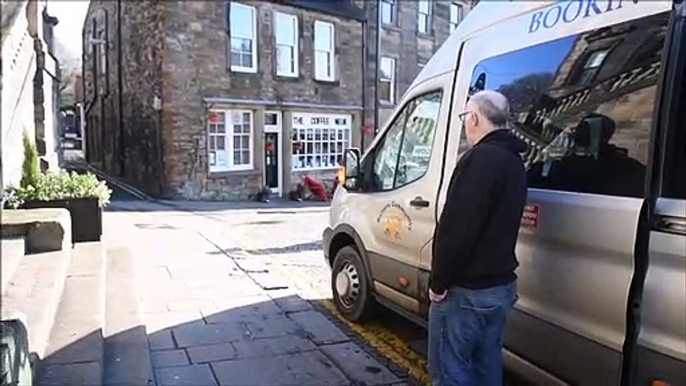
(410, 367)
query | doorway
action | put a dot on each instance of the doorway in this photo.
(273, 176)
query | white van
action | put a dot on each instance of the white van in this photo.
(598, 91)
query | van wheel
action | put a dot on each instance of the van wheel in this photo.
(350, 285)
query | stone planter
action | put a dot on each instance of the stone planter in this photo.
(86, 216)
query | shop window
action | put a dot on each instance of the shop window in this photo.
(319, 140)
(243, 37)
(230, 140)
(591, 139)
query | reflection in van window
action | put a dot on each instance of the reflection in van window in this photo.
(584, 105)
(404, 153)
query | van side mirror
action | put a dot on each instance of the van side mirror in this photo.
(351, 169)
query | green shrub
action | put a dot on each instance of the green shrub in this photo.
(30, 172)
(60, 186)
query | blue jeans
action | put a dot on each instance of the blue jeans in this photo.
(466, 336)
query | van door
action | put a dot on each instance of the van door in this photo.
(661, 345)
(582, 93)
(396, 204)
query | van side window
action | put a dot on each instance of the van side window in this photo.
(403, 155)
(675, 164)
(584, 105)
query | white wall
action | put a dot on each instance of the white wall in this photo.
(18, 69)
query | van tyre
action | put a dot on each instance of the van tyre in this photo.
(350, 285)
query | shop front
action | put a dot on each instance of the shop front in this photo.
(278, 146)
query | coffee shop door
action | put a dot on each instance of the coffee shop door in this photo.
(273, 174)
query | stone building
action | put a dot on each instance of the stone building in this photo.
(30, 86)
(217, 100)
(411, 32)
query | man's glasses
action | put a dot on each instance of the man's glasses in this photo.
(463, 115)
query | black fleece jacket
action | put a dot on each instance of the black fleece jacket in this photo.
(474, 241)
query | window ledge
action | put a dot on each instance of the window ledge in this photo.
(234, 173)
(321, 169)
(425, 35)
(387, 104)
(287, 78)
(391, 27)
(331, 82)
(243, 70)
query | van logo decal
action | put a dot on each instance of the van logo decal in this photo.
(568, 11)
(394, 218)
(530, 216)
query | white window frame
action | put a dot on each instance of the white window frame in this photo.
(228, 137)
(304, 131)
(390, 5)
(331, 52)
(456, 15)
(285, 17)
(253, 38)
(424, 14)
(392, 62)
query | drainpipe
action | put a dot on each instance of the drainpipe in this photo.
(364, 82)
(376, 69)
(120, 89)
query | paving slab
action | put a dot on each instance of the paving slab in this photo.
(270, 327)
(161, 340)
(169, 358)
(189, 305)
(193, 375)
(269, 281)
(241, 308)
(76, 374)
(200, 271)
(319, 328)
(196, 335)
(306, 368)
(163, 320)
(358, 365)
(272, 346)
(252, 266)
(212, 353)
(289, 301)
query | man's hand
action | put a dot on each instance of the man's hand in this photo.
(436, 298)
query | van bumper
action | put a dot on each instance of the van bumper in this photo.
(326, 243)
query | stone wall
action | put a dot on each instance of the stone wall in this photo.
(28, 88)
(122, 124)
(406, 45)
(18, 71)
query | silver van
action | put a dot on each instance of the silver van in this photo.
(598, 91)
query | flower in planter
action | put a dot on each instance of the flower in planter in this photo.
(11, 198)
(64, 185)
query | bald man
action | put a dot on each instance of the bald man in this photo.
(473, 283)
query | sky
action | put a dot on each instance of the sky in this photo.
(71, 14)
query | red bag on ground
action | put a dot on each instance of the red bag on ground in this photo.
(317, 188)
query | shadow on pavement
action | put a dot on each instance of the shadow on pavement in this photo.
(122, 202)
(295, 248)
(246, 340)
